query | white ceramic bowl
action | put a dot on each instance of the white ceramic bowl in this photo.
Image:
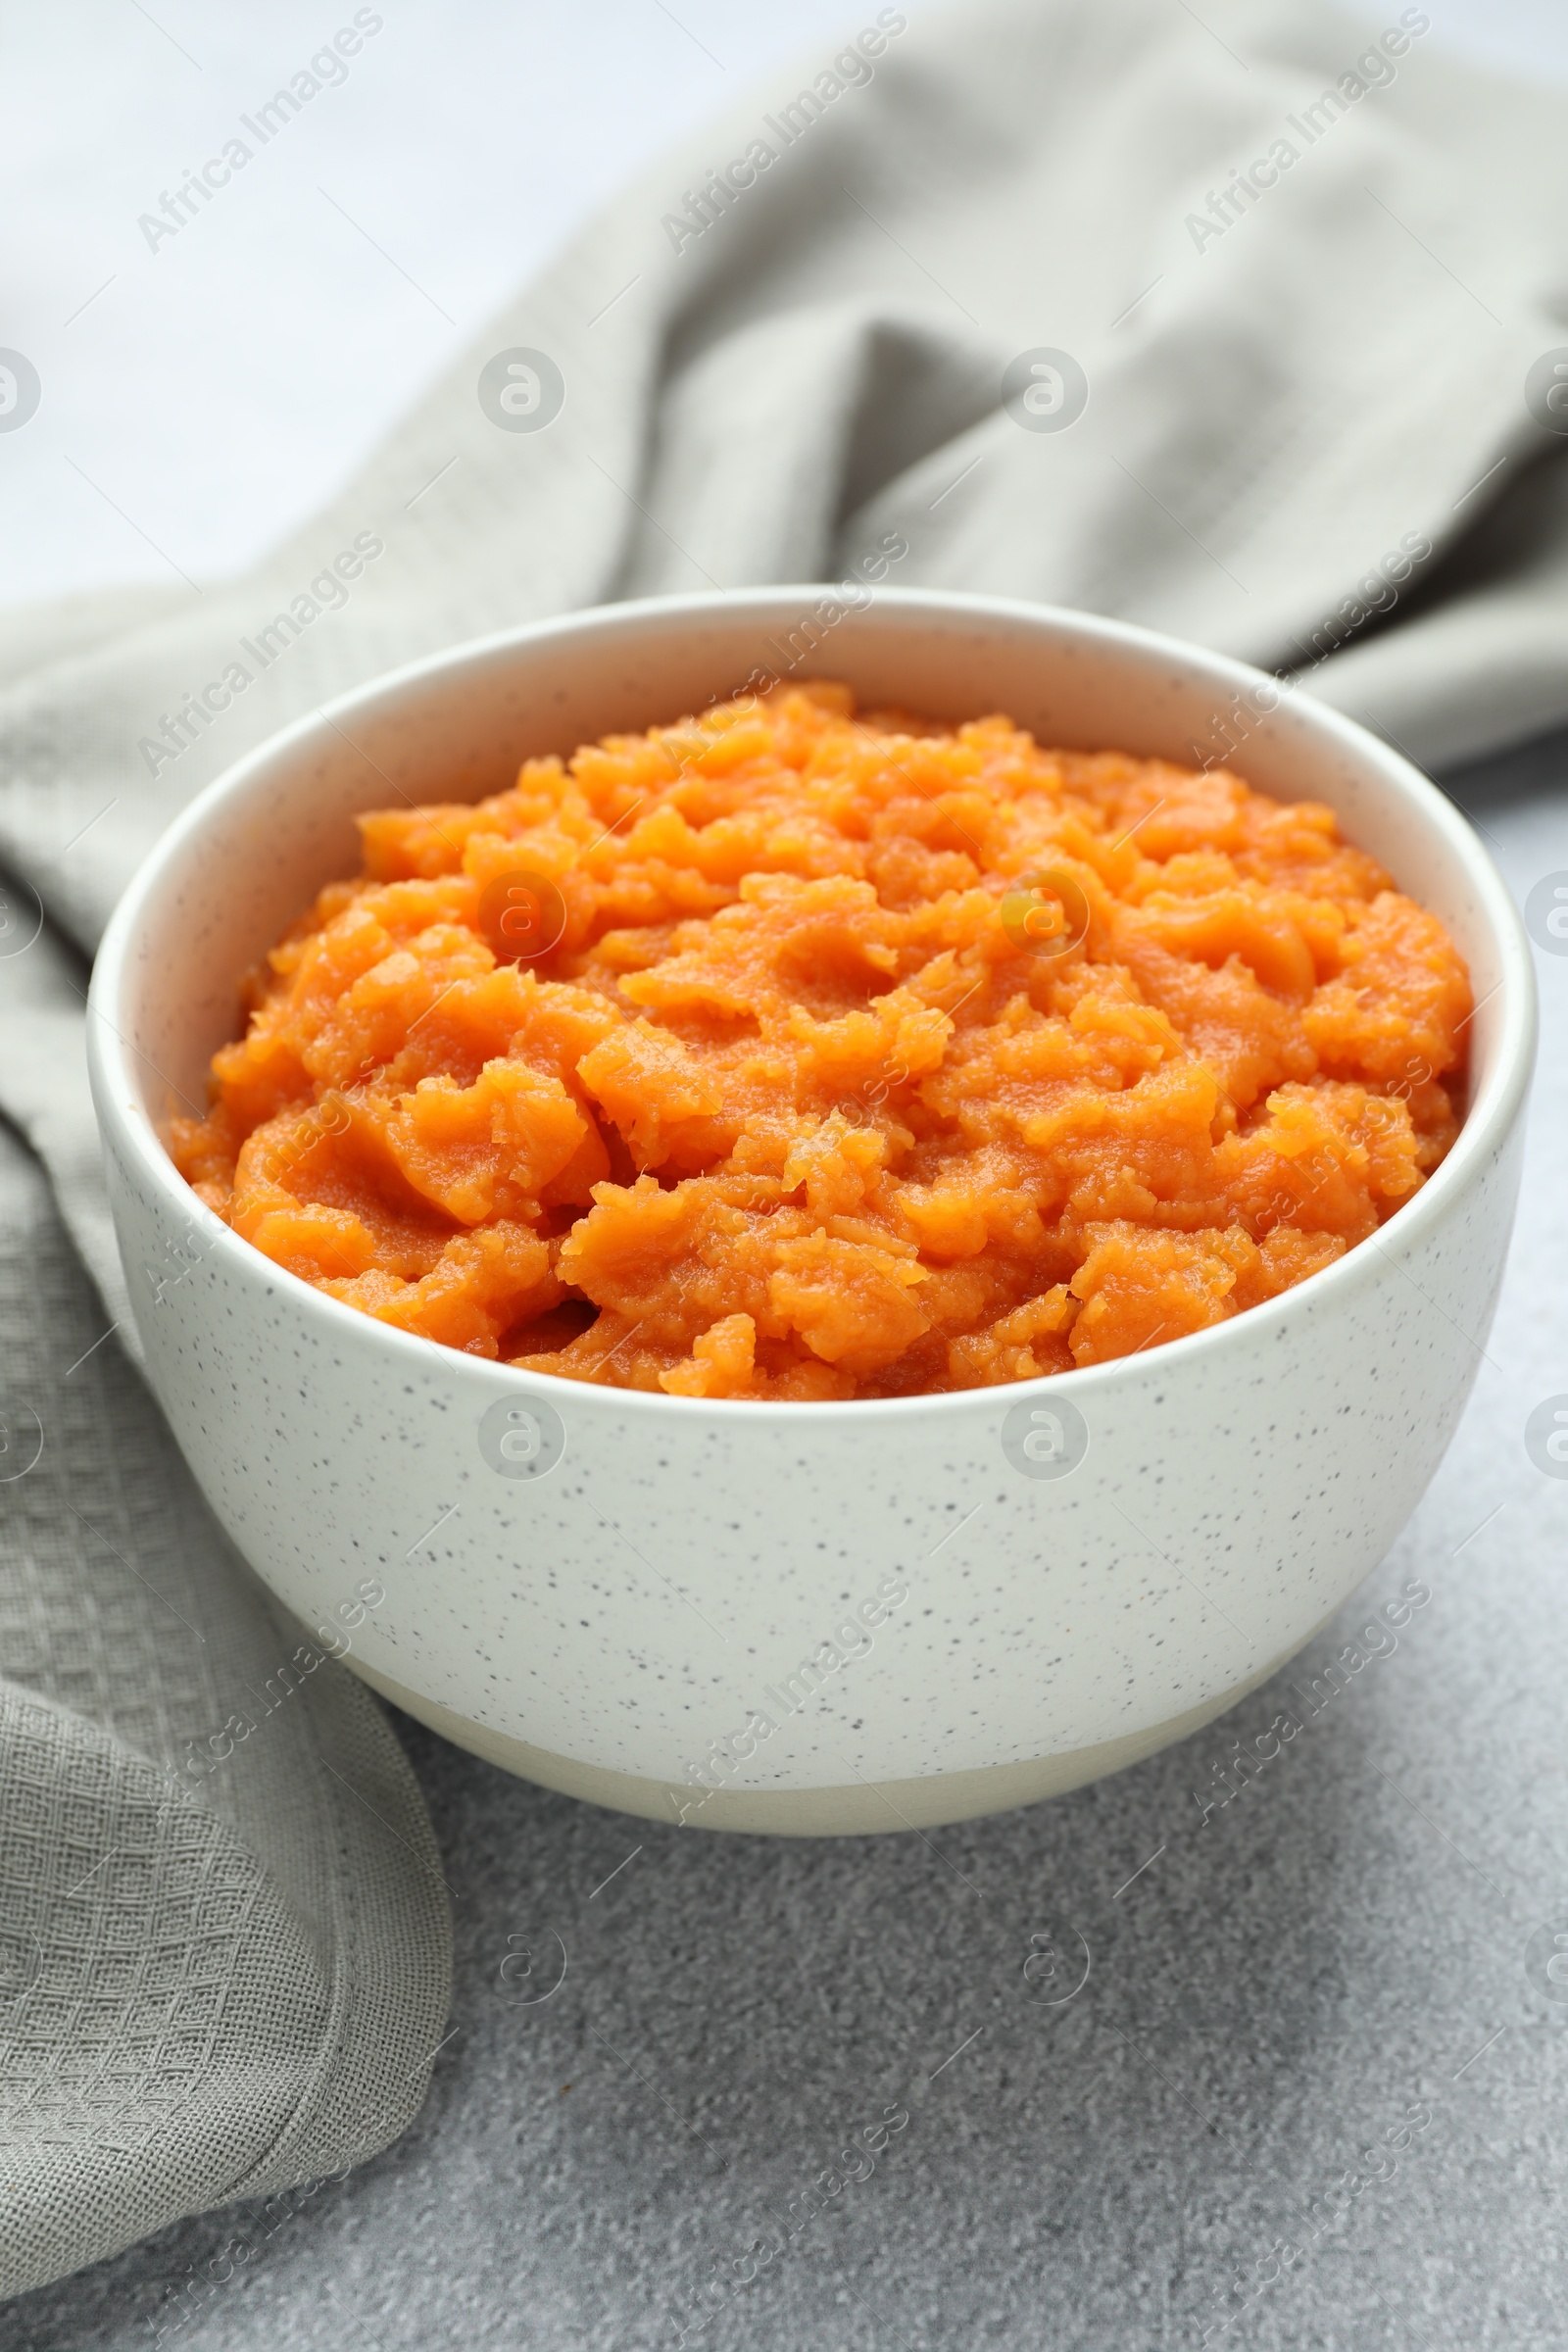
(885, 1613)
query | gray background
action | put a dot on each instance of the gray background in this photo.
(1280, 1985)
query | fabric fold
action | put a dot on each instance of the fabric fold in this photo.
(225, 1945)
(1225, 326)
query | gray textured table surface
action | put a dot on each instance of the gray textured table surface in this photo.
(1312, 2094)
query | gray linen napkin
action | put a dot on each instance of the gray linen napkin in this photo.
(1244, 329)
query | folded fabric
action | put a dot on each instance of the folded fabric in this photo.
(1246, 328)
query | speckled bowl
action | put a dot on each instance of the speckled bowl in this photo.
(798, 1618)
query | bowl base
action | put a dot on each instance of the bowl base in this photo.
(928, 1802)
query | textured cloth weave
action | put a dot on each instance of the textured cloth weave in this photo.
(1307, 440)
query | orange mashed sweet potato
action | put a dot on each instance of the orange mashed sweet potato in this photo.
(790, 1053)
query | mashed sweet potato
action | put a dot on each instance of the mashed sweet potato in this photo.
(789, 1054)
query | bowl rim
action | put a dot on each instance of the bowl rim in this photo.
(1490, 1119)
